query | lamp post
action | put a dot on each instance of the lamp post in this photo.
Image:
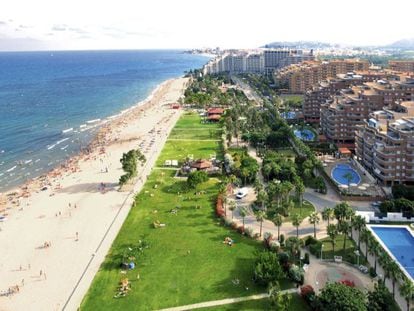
(321, 251)
(357, 254)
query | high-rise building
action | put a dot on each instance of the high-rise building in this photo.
(401, 65)
(385, 144)
(299, 78)
(343, 113)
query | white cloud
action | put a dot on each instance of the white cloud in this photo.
(80, 24)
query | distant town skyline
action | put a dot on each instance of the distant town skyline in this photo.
(93, 24)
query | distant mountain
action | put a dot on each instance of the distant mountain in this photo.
(402, 44)
(298, 44)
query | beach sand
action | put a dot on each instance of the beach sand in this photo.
(50, 251)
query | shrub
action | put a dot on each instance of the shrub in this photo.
(310, 240)
(306, 259)
(282, 239)
(274, 245)
(196, 178)
(372, 272)
(308, 294)
(267, 268)
(283, 258)
(348, 283)
(249, 232)
(315, 249)
(219, 207)
(228, 222)
(296, 274)
(240, 229)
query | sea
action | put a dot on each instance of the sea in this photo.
(52, 103)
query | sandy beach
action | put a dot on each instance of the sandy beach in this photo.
(53, 241)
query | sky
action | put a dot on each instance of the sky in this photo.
(155, 24)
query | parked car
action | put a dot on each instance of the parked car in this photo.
(241, 193)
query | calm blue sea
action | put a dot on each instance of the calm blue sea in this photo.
(43, 95)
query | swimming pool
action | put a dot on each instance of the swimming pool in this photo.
(341, 172)
(288, 115)
(398, 241)
(304, 134)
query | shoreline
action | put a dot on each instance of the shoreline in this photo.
(106, 124)
(82, 210)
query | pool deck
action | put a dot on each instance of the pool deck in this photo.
(388, 250)
(371, 189)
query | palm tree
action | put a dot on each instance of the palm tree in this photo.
(395, 273)
(344, 228)
(358, 223)
(343, 211)
(260, 216)
(300, 190)
(328, 214)
(296, 221)
(365, 236)
(373, 248)
(314, 220)
(407, 291)
(232, 207)
(385, 262)
(293, 244)
(333, 233)
(243, 214)
(278, 221)
(262, 198)
(348, 176)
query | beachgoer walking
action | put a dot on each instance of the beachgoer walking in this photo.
(77, 236)
(22, 282)
(41, 272)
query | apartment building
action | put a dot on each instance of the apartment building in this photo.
(236, 62)
(341, 115)
(385, 144)
(401, 65)
(322, 92)
(279, 58)
(299, 78)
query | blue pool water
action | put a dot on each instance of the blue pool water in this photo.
(304, 134)
(400, 243)
(339, 172)
(288, 115)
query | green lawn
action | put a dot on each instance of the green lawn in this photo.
(179, 150)
(186, 261)
(304, 211)
(193, 120)
(297, 304)
(347, 254)
(200, 133)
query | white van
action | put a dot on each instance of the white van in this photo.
(241, 193)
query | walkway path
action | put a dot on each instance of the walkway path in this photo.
(225, 301)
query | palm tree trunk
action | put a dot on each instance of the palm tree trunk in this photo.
(261, 225)
(333, 248)
(278, 233)
(344, 241)
(297, 232)
(314, 230)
